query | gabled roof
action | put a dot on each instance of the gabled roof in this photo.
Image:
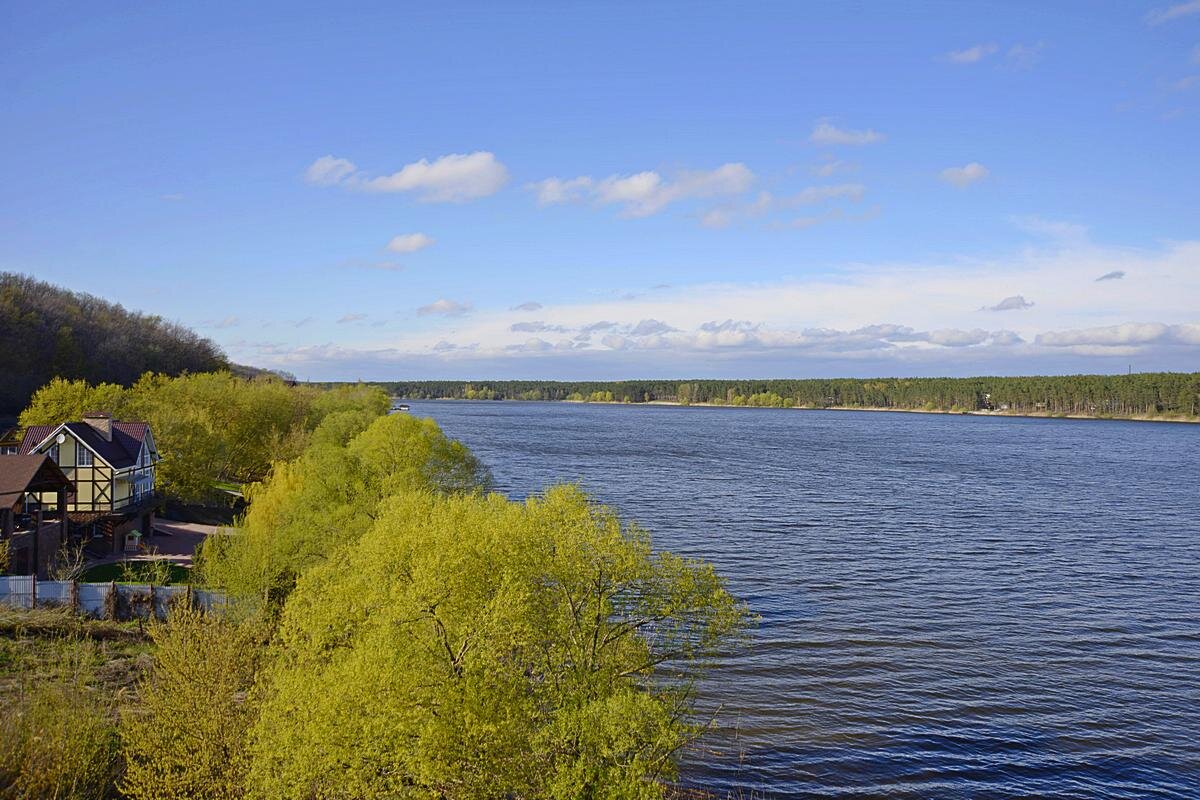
(121, 452)
(32, 473)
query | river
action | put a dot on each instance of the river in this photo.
(951, 606)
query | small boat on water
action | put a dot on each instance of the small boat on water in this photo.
(398, 407)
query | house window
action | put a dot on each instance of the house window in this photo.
(83, 456)
(54, 453)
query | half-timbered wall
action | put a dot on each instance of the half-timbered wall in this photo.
(93, 482)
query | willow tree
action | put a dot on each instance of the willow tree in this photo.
(471, 647)
(310, 508)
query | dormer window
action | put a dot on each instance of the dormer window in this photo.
(83, 456)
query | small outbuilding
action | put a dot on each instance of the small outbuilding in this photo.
(24, 481)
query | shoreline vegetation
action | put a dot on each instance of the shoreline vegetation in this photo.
(1157, 396)
(393, 627)
(1019, 415)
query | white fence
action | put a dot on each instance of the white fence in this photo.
(106, 600)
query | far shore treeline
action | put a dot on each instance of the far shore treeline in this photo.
(1146, 394)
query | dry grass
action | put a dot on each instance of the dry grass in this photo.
(62, 678)
(53, 645)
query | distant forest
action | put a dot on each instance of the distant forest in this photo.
(47, 331)
(1150, 394)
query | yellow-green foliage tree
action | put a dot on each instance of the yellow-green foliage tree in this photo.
(311, 507)
(209, 427)
(489, 649)
(62, 400)
(187, 738)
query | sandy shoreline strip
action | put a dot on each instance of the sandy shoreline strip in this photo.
(822, 408)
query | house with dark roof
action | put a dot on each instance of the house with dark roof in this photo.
(34, 538)
(10, 441)
(111, 465)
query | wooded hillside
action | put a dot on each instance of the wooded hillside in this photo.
(47, 331)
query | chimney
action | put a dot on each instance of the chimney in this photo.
(101, 422)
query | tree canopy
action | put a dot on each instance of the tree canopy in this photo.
(321, 502)
(489, 649)
(211, 427)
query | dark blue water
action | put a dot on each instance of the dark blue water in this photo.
(952, 607)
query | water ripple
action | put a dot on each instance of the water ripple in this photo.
(952, 607)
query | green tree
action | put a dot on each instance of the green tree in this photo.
(313, 506)
(62, 400)
(489, 649)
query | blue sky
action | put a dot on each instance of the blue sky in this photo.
(620, 190)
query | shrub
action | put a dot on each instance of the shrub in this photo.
(57, 740)
(187, 737)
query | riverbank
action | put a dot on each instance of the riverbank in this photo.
(881, 409)
(976, 413)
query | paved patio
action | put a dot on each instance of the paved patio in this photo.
(174, 541)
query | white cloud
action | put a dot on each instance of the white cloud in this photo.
(219, 324)
(1160, 15)
(972, 55)
(650, 327)
(954, 337)
(1025, 56)
(646, 193)
(832, 166)
(537, 327)
(1014, 303)
(529, 306)
(557, 190)
(1130, 333)
(351, 318)
(444, 308)
(766, 203)
(452, 178)
(409, 243)
(860, 319)
(827, 133)
(329, 171)
(1115, 275)
(965, 175)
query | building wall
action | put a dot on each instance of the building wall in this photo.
(93, 484)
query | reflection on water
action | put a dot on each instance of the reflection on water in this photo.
(951, 606)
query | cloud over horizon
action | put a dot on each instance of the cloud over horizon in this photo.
(916, 317)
